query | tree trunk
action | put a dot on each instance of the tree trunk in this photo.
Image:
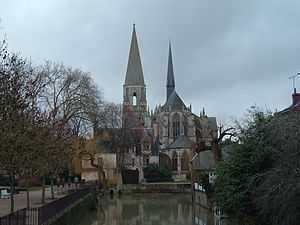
(52, 188)
(43, 190)
(12, 190)
(27, 193)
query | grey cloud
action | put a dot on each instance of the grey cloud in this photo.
(228, 55)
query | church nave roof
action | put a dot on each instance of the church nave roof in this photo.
(174, 102)
(181, 142)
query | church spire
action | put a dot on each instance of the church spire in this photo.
(170, 76)
(134, 73)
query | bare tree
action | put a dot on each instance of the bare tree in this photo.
(57, 154)
(41, 110)
(16, 114)
(71, 101)
(91, 157)
(70, 96)
(110, 116)
(223, 132)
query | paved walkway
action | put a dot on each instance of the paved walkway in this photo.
(35, 200)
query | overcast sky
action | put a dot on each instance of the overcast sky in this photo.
(228, 55)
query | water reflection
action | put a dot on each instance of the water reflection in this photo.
(148, 209)
(202, 216)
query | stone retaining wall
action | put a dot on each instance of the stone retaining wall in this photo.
(76, 212)
(156, 188)
(201, 199)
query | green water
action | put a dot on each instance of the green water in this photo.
(148, 209)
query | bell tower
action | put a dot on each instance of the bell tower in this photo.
(134, 88)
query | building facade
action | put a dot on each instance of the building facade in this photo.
(169, 135)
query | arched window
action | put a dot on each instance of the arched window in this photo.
(176, 125)
(185, 126)
(185, 161)
(134, 99)
(174, 161)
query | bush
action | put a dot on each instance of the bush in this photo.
(236, 176)
(260, 178)
(154, 173)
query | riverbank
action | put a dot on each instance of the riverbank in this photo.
(73, 213)
(167, 187)
(21, 200)
(55, 212)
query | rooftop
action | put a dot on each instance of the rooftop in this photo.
(181, 142)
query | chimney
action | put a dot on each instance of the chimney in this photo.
(296, 98)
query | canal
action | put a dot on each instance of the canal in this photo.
(148, 209)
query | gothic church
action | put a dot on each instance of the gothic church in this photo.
(169, 135)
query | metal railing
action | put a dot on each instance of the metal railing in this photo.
(50, 211)
(16, 218)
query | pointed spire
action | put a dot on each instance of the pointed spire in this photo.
(134, 74)
(170, 76)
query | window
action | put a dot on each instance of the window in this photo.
(185, 126)
(176, 125)
(212, 177)
(174, 161)
(134, 99)
(147, 147)
(185, 161)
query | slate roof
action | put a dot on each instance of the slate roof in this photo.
(174, 102)
(212, 123)
(290, 108)
(181, 142)
(204, 161)
(170, 75)
(134, 73)
(295, 104)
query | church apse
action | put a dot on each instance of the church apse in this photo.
(172, 126)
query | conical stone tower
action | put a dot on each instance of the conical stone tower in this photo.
(134, 88)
